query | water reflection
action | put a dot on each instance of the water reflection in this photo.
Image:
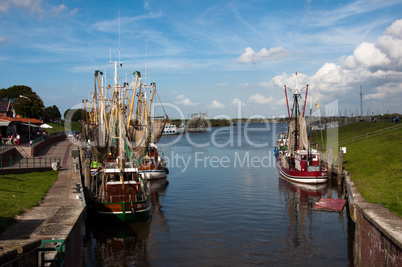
(300, 199)
(157, 189)
(124, 245)
(116, 246)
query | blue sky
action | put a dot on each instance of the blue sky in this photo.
(209, 55)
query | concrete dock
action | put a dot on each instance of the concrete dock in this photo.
(59, 216)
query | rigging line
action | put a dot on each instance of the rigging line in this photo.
(160, 101)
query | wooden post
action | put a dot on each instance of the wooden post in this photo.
(340, 166)
(87, 174)
(329, 190)
(329, 153)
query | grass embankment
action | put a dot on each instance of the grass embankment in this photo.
(20, 192)
(64, 126)
(374, 161)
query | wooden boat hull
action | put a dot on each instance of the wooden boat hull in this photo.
(122, 212)
(305, 177)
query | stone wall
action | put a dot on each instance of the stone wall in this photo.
(378, 232)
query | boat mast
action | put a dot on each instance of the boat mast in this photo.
(305, 99)
(296, 107)
(295, 96)
(287, 103)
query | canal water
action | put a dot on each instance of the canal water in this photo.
(225, 205)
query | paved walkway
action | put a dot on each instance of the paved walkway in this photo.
(58, 212)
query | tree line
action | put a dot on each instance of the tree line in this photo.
(28, 104)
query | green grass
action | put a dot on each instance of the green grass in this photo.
(20, 192)
(64, 126)
(375, 162)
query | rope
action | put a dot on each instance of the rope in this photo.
(160, 101)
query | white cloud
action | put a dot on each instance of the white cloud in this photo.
(184, 101)
(34, 6)
(377, 67)
(260, 99)
(4, 6)
(221, 84)
(236, 101)
(62, 9)
(245, 85)
(265, 84)
(274, 53)
(368, 55)
(58, 9)
(395, 29)
(385, 91)
(2, 40)
(216, 104)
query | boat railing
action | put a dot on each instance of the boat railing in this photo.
(122, 198)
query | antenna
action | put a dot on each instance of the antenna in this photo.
(119, 35)
(361, 102)
(146, 54)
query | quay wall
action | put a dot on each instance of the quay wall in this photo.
(26, 252)
(378, 232)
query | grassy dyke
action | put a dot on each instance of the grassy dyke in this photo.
(20, 192)
(60, 127)
(374, 161)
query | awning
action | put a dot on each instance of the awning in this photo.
(4, 123)
(27, 124)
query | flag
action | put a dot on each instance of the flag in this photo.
(317, 105)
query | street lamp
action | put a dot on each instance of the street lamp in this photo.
(25, 97)
(29, 123)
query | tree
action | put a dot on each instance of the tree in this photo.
(26, 102)
(51, 114)
(74, 114)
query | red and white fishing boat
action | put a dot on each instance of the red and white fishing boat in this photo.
(299, 163)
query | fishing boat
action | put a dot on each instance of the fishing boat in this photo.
(118, 137)
(153, 166)
(198, 123)
(297, 161)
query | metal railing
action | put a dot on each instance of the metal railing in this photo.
(23, 163)
(44, 137)
(365, 136)
(60, 249)
(5, 147)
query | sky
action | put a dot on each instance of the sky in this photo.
(228, 58)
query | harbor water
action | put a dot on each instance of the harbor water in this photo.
(225, 205)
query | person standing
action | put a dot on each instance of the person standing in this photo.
(18, 139)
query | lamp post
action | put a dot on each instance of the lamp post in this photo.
(29, 123)
(29, 133)
(25, 97)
